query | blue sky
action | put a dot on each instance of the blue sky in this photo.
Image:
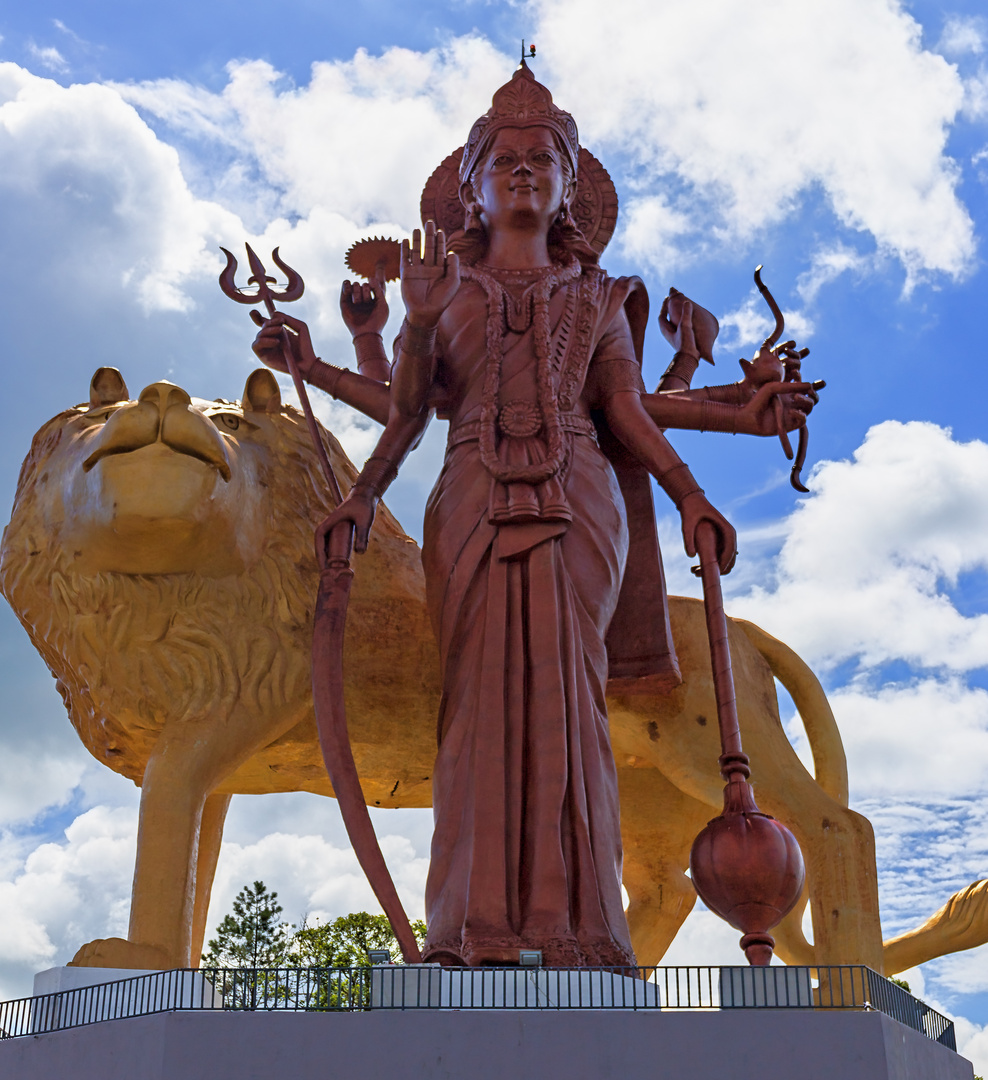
(842, 144)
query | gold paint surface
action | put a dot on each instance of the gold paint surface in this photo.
(160, 557)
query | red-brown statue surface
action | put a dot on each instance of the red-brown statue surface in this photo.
(540, 556)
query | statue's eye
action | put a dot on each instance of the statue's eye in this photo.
(501, 159)
(544, 158)
(226, 421)
(100, 415)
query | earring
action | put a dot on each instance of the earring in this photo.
(563, 218)
(472, 220)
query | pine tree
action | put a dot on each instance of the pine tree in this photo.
(254, 935)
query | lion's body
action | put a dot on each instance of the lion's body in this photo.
(173, 604)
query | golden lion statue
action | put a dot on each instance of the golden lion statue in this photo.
(160, 556)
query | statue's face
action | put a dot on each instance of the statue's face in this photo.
(522, 180)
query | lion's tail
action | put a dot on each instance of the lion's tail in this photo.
(962, 923)
(829, 760)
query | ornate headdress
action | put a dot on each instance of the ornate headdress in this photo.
(522, 102)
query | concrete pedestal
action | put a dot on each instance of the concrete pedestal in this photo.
(742, 1044)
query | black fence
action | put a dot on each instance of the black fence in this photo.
(427, 986)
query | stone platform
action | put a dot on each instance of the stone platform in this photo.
(440, 1044)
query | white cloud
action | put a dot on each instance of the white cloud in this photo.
(48, 57)
(963, 34)
(749, 325)
(976, 95)
(66, 894)
(105, 189)
(827, 264)
(404, 110)
(869, 559)
(313, 877)
(926, 738)
(866, 119)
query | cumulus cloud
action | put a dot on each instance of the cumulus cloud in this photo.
(869, 561)
(66, 894)
(98, 183)
(963, 34)
(866, 119)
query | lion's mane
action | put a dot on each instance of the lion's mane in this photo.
(194, 645)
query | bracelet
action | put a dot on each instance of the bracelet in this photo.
(377, 474)
(718, 416)
(683, 367)
(730, 394)
(369, 347)
(335, 374)
(678, 482)
(418, 341)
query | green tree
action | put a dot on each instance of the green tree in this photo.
(253, 935)
(345, 941)
(343, 945)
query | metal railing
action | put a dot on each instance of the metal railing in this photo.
(428, 986)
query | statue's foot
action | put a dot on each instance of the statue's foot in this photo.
(116, 952)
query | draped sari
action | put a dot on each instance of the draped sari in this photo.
(522, 582)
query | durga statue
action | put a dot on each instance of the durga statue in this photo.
(541, 560)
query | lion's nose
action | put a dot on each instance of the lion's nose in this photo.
(163, 395)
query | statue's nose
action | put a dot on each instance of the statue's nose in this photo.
(163, 395)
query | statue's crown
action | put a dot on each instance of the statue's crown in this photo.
(521, 102)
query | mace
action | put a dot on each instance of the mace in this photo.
(746, 866)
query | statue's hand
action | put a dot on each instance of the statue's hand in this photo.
(275, 333)
(766, 366)
(790, 402)
(429, 277)
(364, 307)
(359, 508)
(676, 323)
(696, 508)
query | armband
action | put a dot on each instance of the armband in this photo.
(718, 416)
(418, 342)
(376, 475)
(678, 482)
(683, 368)
(369, 348)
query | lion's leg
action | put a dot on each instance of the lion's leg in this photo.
(210, 838)
(658, 824)
(172, 799)
(838, 847)
(173, 794)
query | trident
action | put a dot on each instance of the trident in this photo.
(329, 621)
(293, 289)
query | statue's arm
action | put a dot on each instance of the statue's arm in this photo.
(368, 395)
(631, 424)
(400, 436)
(429, 281)
(692, 411)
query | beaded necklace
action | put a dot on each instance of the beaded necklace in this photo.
(547, 278)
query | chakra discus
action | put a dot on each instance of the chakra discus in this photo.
(365, 256)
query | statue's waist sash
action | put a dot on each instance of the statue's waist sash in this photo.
(469, 431)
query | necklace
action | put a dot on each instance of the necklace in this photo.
(546, 279)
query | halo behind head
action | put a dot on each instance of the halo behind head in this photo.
(594, 208)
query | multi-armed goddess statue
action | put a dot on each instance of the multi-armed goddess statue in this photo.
(540, 553)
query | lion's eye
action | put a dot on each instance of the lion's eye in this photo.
(100, 415)
(226, 421)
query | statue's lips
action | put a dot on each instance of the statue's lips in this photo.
(180, 429)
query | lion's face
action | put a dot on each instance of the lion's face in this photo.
(162, 484)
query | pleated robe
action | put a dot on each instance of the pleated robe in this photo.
(522, 581)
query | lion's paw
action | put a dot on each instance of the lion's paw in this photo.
(116, 952)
